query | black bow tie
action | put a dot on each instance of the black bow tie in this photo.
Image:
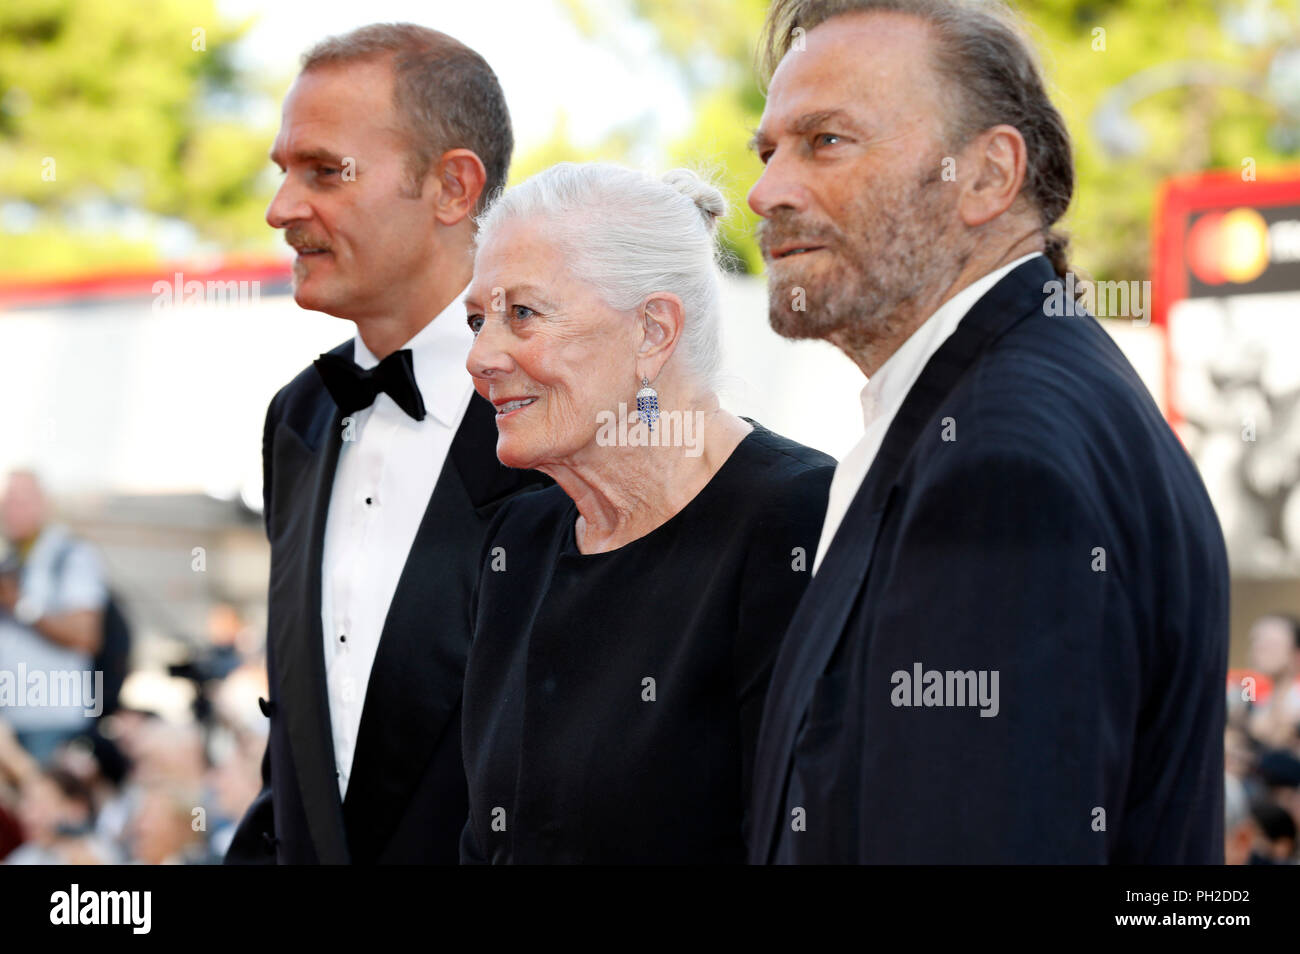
(353, 387)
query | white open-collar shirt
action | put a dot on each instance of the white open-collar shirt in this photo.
(382, 485)
(886, 389)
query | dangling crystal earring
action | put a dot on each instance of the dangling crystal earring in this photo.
(647, 404)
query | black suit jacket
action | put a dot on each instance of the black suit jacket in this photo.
(406, 799)
(1029, 514)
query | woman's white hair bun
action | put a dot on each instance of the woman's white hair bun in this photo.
(705, 195)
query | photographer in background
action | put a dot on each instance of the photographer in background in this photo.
(52, 601)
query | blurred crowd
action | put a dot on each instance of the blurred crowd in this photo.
(137, 790)
(103, 779)
(132, 786)
(1262, 748)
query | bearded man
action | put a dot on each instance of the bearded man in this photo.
(1014, 646)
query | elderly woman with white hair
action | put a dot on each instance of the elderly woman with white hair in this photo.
(627, 618)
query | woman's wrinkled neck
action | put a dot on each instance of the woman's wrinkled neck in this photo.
(624, 491)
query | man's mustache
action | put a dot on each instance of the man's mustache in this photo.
(785, 228)
(300, 238)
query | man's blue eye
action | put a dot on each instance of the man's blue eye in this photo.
(475, 323)
(822, 137)
(527, 312)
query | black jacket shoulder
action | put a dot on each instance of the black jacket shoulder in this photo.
(298, 402)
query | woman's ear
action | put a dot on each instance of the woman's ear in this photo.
(660, 319)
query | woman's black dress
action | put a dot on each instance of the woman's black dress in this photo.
(612, 700)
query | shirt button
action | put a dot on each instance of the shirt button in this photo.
(343, 637)
(369, 501)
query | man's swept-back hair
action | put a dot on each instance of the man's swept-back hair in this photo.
(446, 96)
(982, 55)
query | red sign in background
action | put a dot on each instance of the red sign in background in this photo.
(1216, 235)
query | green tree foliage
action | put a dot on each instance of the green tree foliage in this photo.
(107, 108)
(114, 113)
(711, 42)
(1186, 128)
(1190, 127)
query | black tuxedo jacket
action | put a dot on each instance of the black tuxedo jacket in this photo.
(406, 800)
(1029, 515)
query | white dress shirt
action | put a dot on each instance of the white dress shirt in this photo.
(885, 391)
(382, 485)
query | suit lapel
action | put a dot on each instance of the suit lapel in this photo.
(304, 471)
(809, 642)
(418, 674)
(818, 624)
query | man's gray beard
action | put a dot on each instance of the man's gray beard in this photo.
(833, 305)
(859, 303)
